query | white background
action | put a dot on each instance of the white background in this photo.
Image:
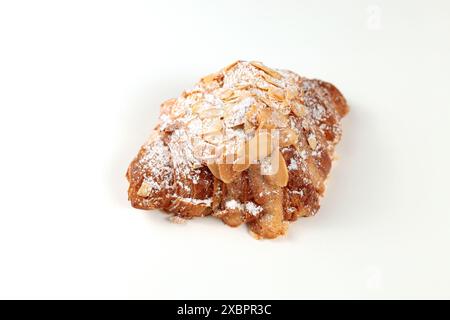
(80, 87)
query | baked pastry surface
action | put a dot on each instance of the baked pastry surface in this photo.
(248, 144)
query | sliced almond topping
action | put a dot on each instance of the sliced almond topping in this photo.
(262, 85)
(242, 162)
(197, 106)
(239, 167)
(235, 113)
(204, 150)
(206, 110)
(268, 118)
(251, 115)
(272, 81)
(197, 165)
(188, 93)
(227, 94)
(231, 65)
(234, 119)
(209, 78)
(288, 137)
(298, 109)
(144, 190)
(266, 69)
(276, 93)
(291, 93)
(235, 98)
(211, 125)
(266, 101)
(284, 108)
(214, 168)
(263, 119)
(315, 175)
(260, 146)
(312, 141)
(278, 120)
(215, 137)
(281, 177)
(166, 107)
(176, 111)
(212, 112)
(168, 103)
(249, 128)
(226, 172)
(243, 86)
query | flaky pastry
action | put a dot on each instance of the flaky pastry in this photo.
(248, 144)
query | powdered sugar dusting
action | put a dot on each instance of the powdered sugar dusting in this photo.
(293, 164)
(253, 208)
(249, 207)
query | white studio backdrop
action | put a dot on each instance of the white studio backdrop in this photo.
(80, 87)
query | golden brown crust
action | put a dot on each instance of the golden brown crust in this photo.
(168, 174)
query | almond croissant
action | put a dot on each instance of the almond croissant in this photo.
(248, 144)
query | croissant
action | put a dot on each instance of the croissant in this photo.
(248, 144)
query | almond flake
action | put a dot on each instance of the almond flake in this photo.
(166, 107)
(144, 190)
(176, 111)
(298, 109)
(227, 174)
(215, 138)
(231, 65)
(243, 86)
(263, 118)
(260, 146)
(269, 118)
(242, 162)
(281, 177)
(291, 93)
(262, 85)
(267, 70)
(278, 120)
(186, 94)
(271, 80)
(169, 103)
(227, 94)
(284, 108)
(251, 115)
(276, 93)
(312, 141)
(206, 110)
(288, 137)
(197, 106)
(205, 151)
(212, 112)
(211, 125)
(209, 78)
(266, 101)
(235, 113)
(214, 168)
